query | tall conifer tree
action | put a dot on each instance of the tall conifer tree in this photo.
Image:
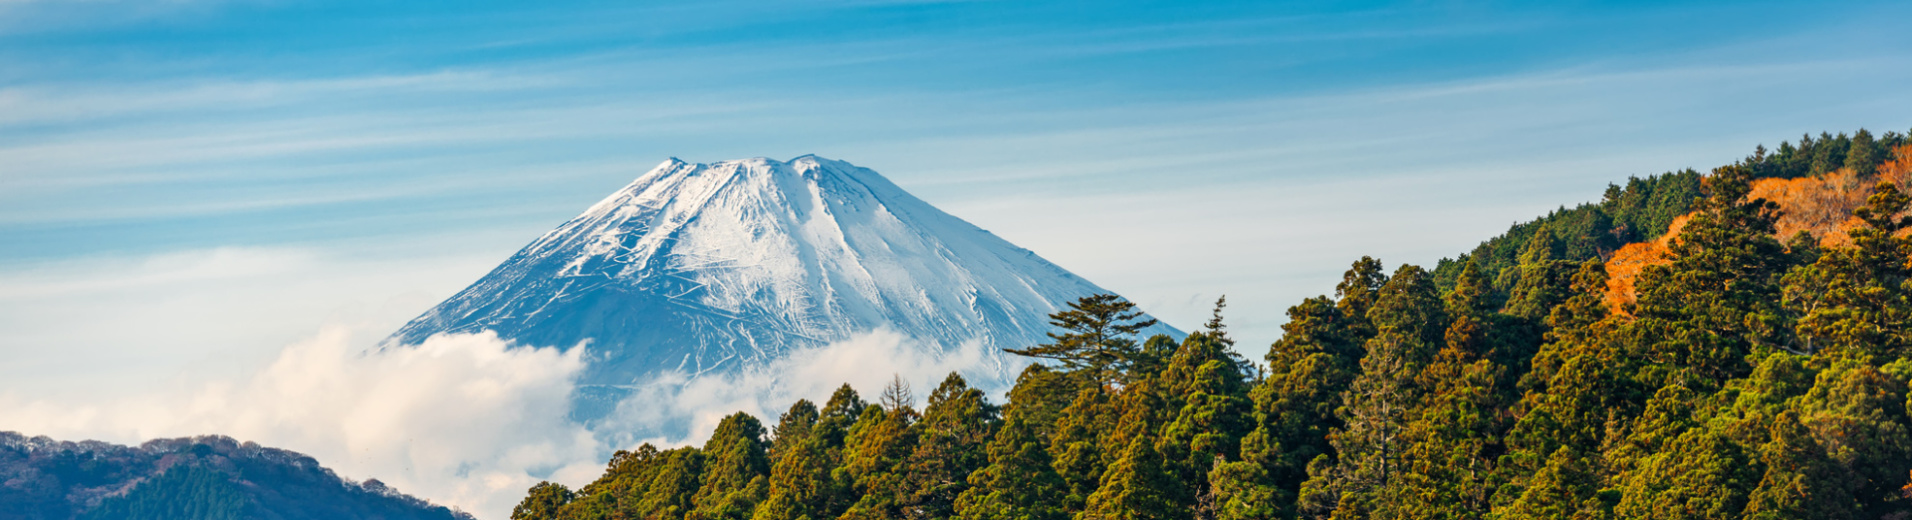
(1135, 487)
(1309, 368)
(736, 474)
(1098, 336)
(1410, 324)
(1212, 418)
(1077, 447)
(951, 444)
(1018, 483)
(876, 462)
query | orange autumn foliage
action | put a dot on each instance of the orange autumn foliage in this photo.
(1900, 167)
(1821, 206)
(1624, 267)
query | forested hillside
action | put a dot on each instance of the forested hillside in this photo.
(200, 478)
(1746, 375)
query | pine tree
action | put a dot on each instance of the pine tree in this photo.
(1580, 380)
(1242, 491)
(800, 485)
(1309, 368)
(1040, 395)
(1719, 300)
(1018, 483)
(1573, 327)
(1799, 482)
(951, 444)
(1544, 277)
(619, 491)
(1857, 415)
(1829, 153)
(1864, 155)
(1449, 436)
(793, 427)
(840, 415)
(1360, 287)
(1215, 327)
(542, 502)
(1559, 490)
(1700, 475)
(1135, 487)
(876, 460)
(1651, 433)
(1099, 336)
(736, 474)
(1211, 419)
(1152, 358)
(1410, 323)
(1854, 300)
(1077, 445)
(669, 497)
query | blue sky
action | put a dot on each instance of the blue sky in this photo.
(192, 182)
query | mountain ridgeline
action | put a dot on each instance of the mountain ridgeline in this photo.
(199, 478)
(726, 267)
(1748, 375)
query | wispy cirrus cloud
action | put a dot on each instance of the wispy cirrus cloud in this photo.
(414, 150)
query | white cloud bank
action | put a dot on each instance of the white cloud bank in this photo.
(463, 420)
(469, 420)
(866, 362)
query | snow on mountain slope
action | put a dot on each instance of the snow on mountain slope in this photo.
(707, 268)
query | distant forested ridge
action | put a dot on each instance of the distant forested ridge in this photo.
(1739, 373)
(198, 478)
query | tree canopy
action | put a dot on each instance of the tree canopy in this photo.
(1751, 376)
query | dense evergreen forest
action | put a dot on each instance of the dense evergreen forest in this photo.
(1749, 376)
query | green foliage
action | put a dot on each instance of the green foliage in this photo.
(952, 442)
(1077, 445)
(1800, 482)
(1451, 434)
(183, 492)
(1857, 414)
(1751, 378)
(670, 493)
(1639, 211)
(1309, 367)
(802, 456)
(1855, 301)
(1719, 300)
(1040, 395)
(1561, 489)
(1206, 394)
(875, 459)
(1244, 491)
(1410, 323)
(1699, 475)
(736, 471)
(1098, 335)
(618, 491)
(1828, 152)
(1018, 483)
(1135, 487)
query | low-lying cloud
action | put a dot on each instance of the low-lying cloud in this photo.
(464, 420)
(687, 409)
(471, 421)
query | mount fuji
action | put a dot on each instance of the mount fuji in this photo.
(715, 268)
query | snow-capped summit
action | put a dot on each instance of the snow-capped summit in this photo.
(722, 266)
